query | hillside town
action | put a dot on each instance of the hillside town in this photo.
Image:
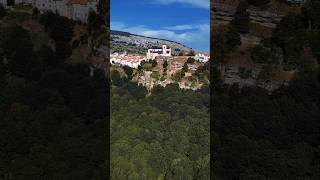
(134, 61)
(160, 67)
(77, 10)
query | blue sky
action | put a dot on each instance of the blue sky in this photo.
(184, 21)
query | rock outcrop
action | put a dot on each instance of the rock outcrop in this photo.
(223, 14)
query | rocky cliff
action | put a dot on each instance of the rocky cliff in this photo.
(223, 14)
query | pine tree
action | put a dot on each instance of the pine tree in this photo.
(241, 18)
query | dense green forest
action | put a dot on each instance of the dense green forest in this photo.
(164, 135)
(52, 114)
(257, 134)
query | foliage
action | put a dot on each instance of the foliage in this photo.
(18, 55)
(232, 39)
(310, 12)
(154, 63)
(244, 73)
(293, 36)
(103, 8)
(161, 136)
(63, 51)
(155, 75)
(177, 76)
(59, 27)
(3, 11)
(313, 37)
(190, 60)
(226, 41)
(165, 64)
(270, 135)
(10, 2)
(35, 13)
(128, 71)
(163, 77)
(241, 18)
(267, 136)
(184, 69)
(258, 2)
(203, 72)
(266, 54)
(94, 22)
(18, 16)
(52, 114)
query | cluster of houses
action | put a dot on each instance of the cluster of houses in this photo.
(132, 61)
(202, 57)
(77, 10)
(166, 52)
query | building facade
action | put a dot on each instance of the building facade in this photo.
(77, 10)
(132, 61)
(164, 52)
(202, 57)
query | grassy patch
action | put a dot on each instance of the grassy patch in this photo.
(155, 75)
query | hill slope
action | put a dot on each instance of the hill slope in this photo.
(121, 41)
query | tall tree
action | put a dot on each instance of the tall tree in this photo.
(16, 46)
(3, 11)
(311, 13)
(241, 17)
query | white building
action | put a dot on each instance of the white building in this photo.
(202, 57)
(126, 60)
(164, 52)
(73, 9)
(81, 8)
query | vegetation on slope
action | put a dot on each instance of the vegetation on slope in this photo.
(162, 136)
(258, 134)
(52, 114)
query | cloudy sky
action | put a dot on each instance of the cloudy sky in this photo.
(184, 21)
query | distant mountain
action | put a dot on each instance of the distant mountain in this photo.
(121, 41)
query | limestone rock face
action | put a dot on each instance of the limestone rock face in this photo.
(223, 14)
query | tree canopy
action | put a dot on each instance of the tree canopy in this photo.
(164, 135)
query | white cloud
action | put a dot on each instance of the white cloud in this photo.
(195, 36)
(117, 25)
(188, 27)
(180, 27)
(196, 3)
